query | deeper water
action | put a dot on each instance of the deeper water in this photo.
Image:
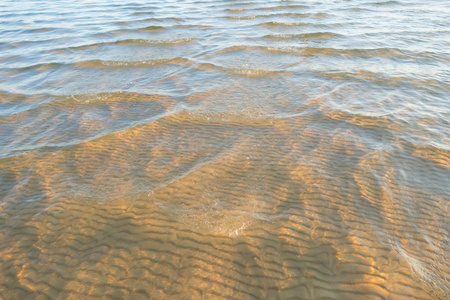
(225, 149)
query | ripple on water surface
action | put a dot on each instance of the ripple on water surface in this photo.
(217, 149)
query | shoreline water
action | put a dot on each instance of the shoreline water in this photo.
(217, 149)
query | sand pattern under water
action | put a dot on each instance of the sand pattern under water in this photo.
(224, 149)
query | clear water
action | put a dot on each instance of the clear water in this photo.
(224, 149)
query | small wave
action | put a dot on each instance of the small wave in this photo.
(242, 17)
(188, 26)
(303, 36)
(283, 24)
(243, 48)
(371, 52)
(12, 104)
(172, 19)
(126, 42)
(38, 67)
(154, 42)
(235, 10)
(314, 51)
(379, 78)
(28, 43)
(142, 13)
(253, 72)
(97, 63)
(153, 28)
(247, 72)
(387, 3)
(291, 15)
(131, 64)
(39, 30)
(97, 98)
(304, 15)
(281, 7)
(97, 115)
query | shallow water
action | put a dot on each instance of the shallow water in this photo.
(224, 149)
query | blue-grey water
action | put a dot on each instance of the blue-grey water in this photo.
(224, 149)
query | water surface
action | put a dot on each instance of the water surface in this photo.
(224, 149)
